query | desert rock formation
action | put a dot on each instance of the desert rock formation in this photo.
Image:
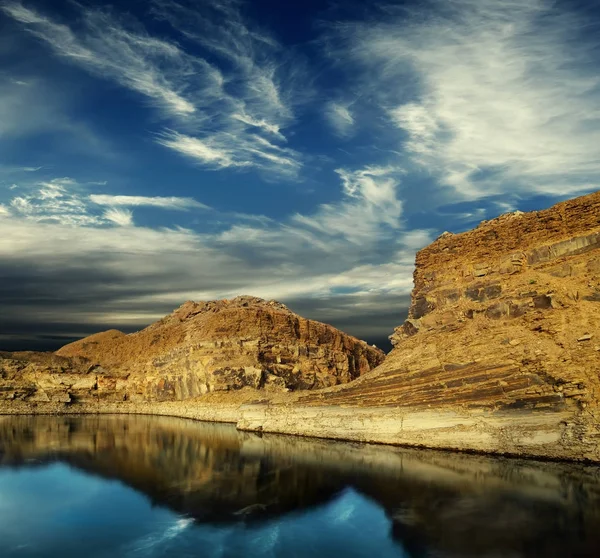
(501, 350)
(201, 347)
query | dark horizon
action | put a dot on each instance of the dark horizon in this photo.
(171, 150)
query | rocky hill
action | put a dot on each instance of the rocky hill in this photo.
(503, 316)
(501, 350)
(201, 347)
(500, 353)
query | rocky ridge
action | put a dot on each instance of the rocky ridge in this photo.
(201, 347)
(503, 316)
(501, 349)
(500, 352)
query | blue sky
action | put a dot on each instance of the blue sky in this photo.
(157, 151)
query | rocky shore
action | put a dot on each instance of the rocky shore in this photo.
(500, 354)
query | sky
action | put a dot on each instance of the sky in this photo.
(158, 151)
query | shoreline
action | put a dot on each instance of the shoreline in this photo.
(523, 435)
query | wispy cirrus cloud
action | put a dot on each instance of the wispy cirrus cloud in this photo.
(369, 212)
(119, 216)
(340, 118)
(170, 202)
(266, 80)
(65, 201)
(223, 150)
(55, 201)
(490, 96)
(230, 111)
(134, 59)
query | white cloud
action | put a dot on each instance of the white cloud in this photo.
(218, 111)
(340, 118)
(223, 150)
(4, 210)
(270, 128)
(180, 204)
(355, 248)
(58, 200)
(120, 217)
(65, 201)
(218, 156)
(136, 60)
(368, 215)
(490, 96)
(262, 83)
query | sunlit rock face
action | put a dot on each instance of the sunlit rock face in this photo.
(502, 339)
(437, 503)
(508, 314)
(222, 345)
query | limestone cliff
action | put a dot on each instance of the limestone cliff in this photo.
(501, 350)
(201, 347)
(503, 316)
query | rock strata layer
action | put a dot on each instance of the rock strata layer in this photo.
(201, 347)
(501, 349)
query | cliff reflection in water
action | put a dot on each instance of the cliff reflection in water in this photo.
(439, 504)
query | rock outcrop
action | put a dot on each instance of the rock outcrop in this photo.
(201, 347)
(501, 349)
(506, 316)
(500, 352)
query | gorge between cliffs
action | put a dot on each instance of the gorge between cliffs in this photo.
(500, 354)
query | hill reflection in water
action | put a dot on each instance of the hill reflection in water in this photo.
(196, 489)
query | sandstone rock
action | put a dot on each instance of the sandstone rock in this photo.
(221, 345)
(62, 398)
(40, 396)
(538, 395)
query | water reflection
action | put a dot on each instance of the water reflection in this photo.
(279, 496)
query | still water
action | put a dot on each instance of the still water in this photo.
(109, 487)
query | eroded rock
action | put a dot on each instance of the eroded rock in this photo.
(201, 347)
(515, 341)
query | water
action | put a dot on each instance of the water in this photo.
(109, 487)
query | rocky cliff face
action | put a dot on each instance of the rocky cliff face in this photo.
(504, 321)
(500, 353)
(201, 347)
(508, 315)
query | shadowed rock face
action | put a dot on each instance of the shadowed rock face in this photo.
(452, 504)
(201, 347)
